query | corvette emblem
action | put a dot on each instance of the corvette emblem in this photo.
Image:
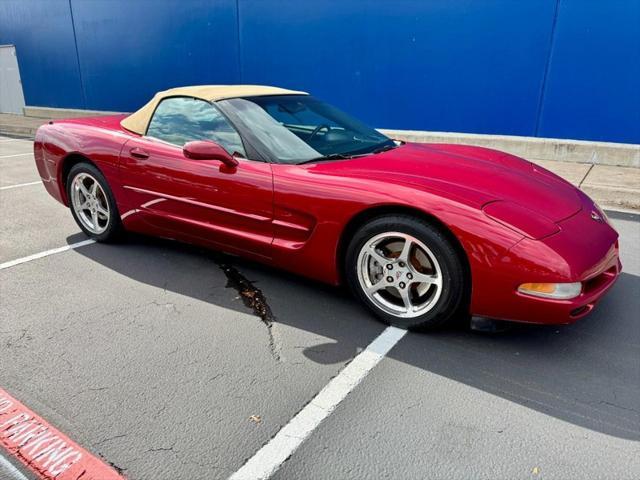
(596, 216)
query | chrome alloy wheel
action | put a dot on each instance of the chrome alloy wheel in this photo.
(90, 203)
(399, 274)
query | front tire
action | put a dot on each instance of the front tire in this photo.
(92, 203)
(407, 272)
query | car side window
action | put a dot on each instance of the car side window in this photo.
(179, 120)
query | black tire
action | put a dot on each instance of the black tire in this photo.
(114, 228)
(453, 301)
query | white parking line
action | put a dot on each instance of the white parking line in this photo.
(20, 185)
(16, 155)
(269, 458)
(7, 140)
(46, 253)
(7, 466)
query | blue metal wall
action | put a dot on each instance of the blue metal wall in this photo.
(553, 68)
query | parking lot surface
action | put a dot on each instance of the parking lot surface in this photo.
(172, 362)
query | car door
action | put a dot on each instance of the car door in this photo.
(200, 200)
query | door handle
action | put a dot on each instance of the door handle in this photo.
(139, 153)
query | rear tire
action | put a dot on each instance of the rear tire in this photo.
(92, 203)
(407, 272)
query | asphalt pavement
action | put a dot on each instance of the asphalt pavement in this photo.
(173, 362)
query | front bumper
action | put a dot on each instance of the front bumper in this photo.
(531, 309)
(584, 251)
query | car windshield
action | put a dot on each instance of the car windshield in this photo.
(299, 128)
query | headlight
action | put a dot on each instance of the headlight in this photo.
(559, 291)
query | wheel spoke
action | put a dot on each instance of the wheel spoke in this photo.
(94, 188)
(94, 219)
(83, 189)
(84, 205)
(406, 298)
(371, 250)
(424, 278)
(377, 286)
(102, 210)
(406, 251)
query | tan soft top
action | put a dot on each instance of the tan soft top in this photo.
(138, 121)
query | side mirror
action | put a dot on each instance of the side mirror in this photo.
(207, 150)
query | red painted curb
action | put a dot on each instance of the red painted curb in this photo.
(46, 451)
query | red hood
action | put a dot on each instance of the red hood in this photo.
(472, 174)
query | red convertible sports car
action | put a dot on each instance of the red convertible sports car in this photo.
(421, 233)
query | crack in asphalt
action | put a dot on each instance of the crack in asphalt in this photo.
(611, 404)
(164, 449)
(23, 335)
(108, 439)
(254, 299)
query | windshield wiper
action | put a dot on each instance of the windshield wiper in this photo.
(384, 148)
(333, 156)
(344, 156)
